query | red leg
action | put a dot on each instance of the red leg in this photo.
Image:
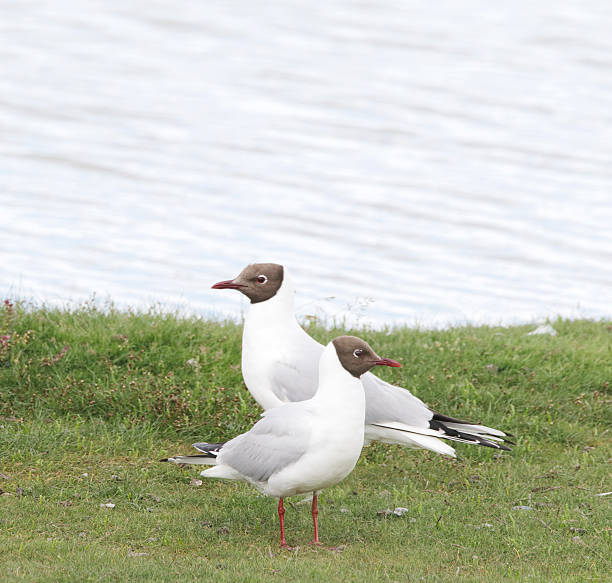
(315, 513)
(281, 518)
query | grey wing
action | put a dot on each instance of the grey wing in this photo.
(278, 440)
(393, 408)
(297, 379)
(293, 382)
(386, 402)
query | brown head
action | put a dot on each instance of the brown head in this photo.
(258, 281)
(357, 356)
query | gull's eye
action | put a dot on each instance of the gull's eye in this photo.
(357, 353)
(262, 279)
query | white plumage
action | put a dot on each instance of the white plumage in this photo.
(303, 446)
(279, 365)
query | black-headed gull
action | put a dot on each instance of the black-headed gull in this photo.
(304, 446)
(279, 365)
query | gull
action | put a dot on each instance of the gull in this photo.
(279, 365)
(307, 445)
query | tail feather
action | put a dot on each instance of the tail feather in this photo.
(204, 460)
(458, 430)
(208, 457)
(407, 436)
(467, 425)
(209, 448)
(443, 427)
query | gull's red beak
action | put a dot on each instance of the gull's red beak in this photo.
(228, 284)
(387, 362)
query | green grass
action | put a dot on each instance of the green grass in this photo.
(85, 426)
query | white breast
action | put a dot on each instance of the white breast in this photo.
(337, 417)
(279, 360)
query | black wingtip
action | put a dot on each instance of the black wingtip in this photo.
(209, 448)
(502, 446)
(438, 422)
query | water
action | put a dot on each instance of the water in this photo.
(427, 164)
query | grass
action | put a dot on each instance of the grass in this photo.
(85, 425)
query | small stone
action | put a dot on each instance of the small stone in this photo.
(84, 475)
(115, 478)
(492, 368)
(107, 505)
(193, 363)
(399, 511)
(195, 482)
(344, 510)
(522, 508)
(588, 448)
(134, 554)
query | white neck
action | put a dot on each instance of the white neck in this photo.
(278, 308)
(336, 384)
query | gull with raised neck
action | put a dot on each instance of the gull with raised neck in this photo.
(280, 365)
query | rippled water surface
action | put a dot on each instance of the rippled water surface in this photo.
(418, 163)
